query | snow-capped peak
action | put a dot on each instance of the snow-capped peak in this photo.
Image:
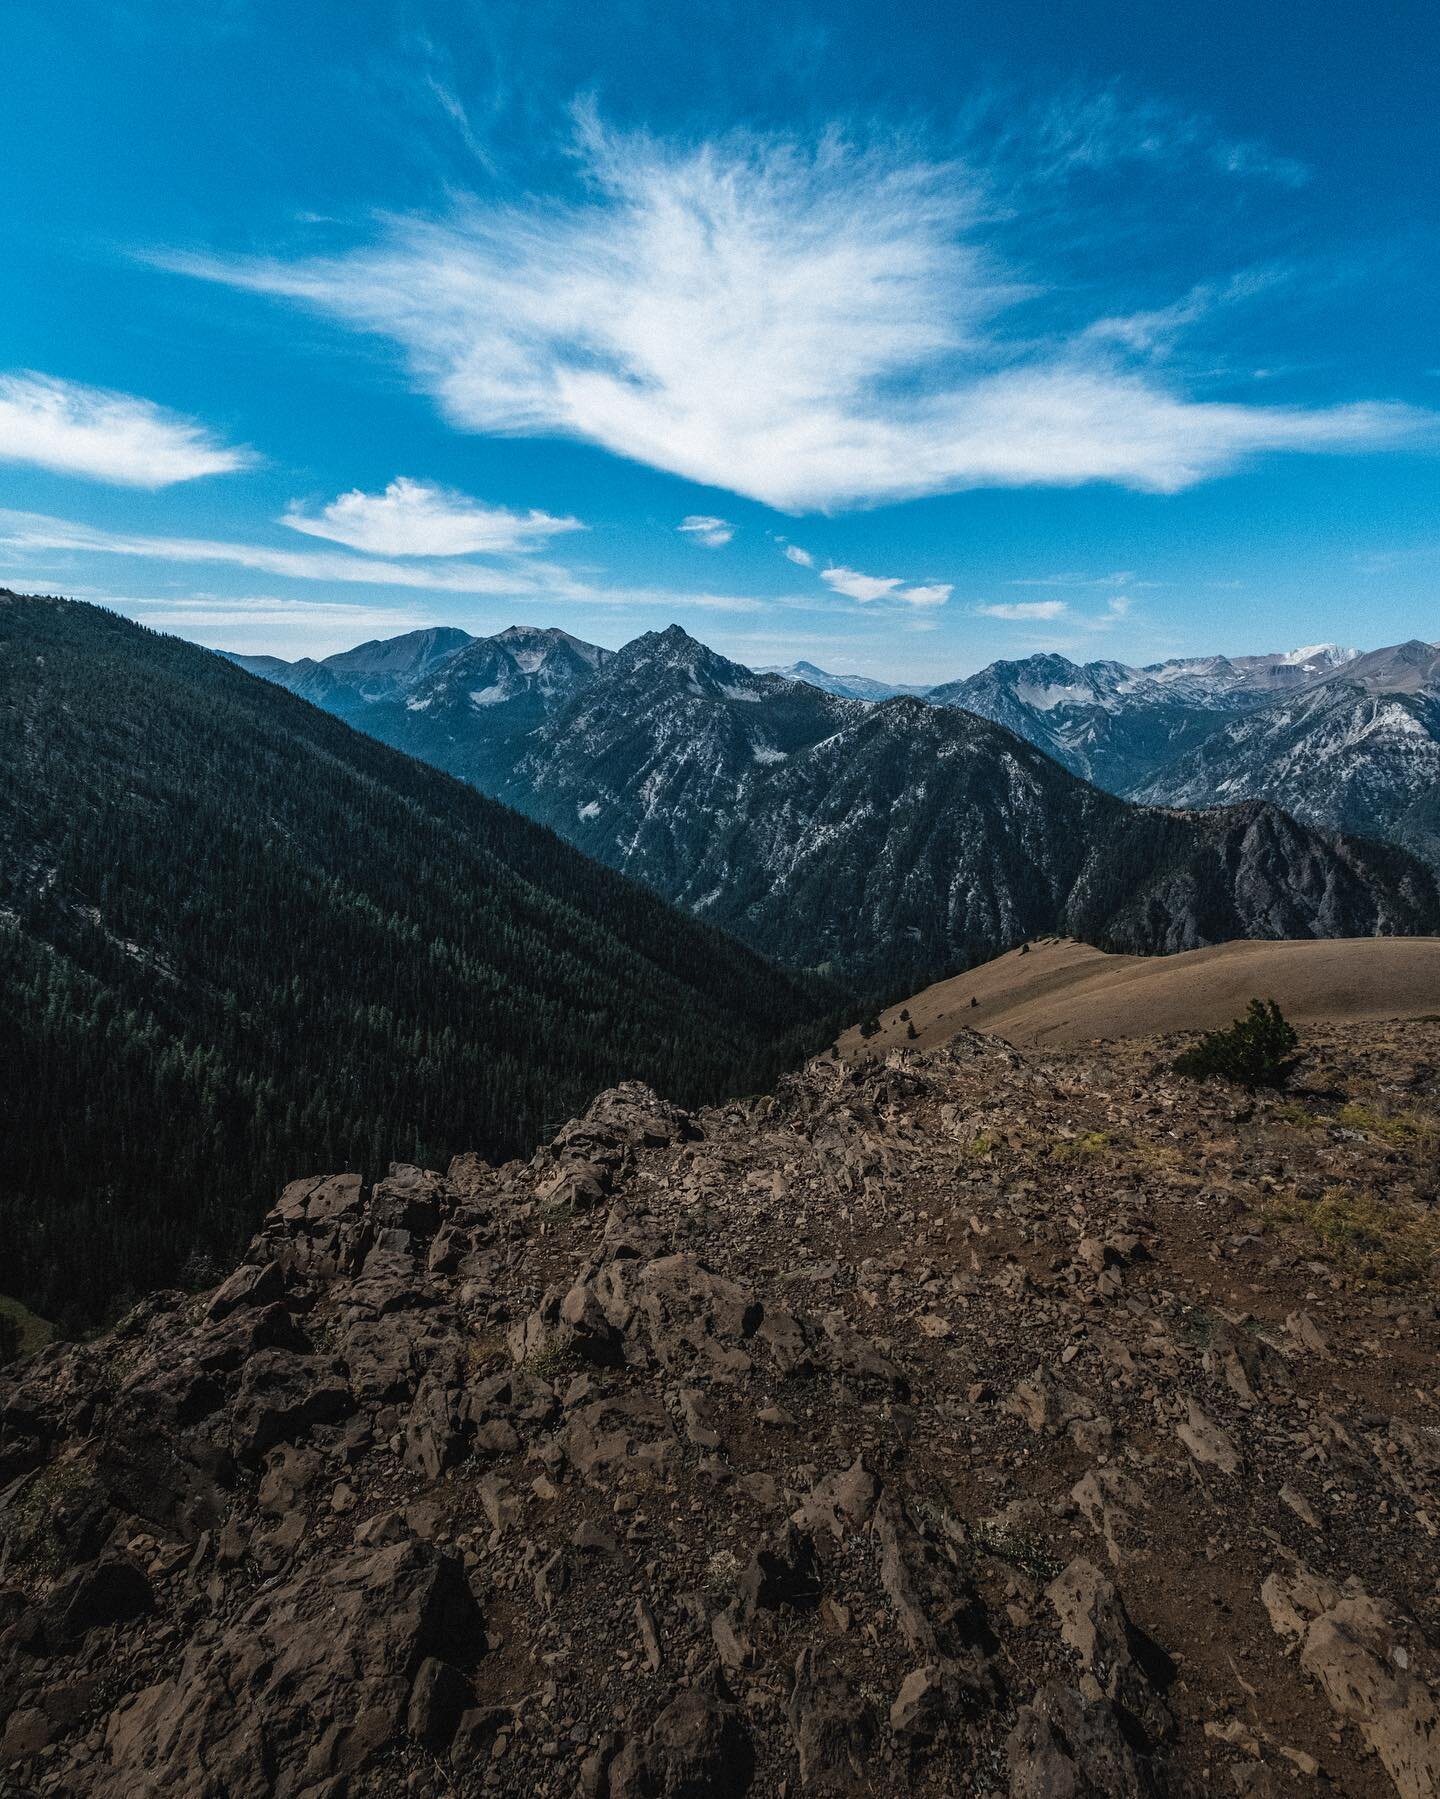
(1334, 654)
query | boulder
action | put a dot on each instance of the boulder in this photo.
(697, 1748)
(315, 1679)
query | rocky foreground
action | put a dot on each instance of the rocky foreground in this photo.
(975, 1423)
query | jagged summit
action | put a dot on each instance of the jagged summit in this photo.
(671, 761)
(675, 648)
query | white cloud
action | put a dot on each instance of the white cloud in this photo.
(29, 534)
(860, 587)
(866, 588)
(1086, 130)
(415, 518)
(1025, 609)
(1116, 609)
(714, 533)
(105, 436)
(795, 554)
(814, 328)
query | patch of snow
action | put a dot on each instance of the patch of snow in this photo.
(1327, 653)
(490, 696)
(417, 705)
(763, 752)
(591, 809)
(738, 693)
(1047, 698)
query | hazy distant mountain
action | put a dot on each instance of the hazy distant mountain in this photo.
(468, 712)
(1112, 724)
(845, 687)
(1123, 727)
(1412, 667)
(1229, 679)
(382, 669)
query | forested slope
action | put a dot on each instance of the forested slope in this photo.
(240, 941)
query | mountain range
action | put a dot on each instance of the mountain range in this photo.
(879, 842)
(1343, 740)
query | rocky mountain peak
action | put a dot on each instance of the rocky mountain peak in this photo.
(1319, 655)
(673, 654)
(547, 637)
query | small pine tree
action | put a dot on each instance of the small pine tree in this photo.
(869, 1027)
(1256, 1051)
(910, 1031)
(904, 1014)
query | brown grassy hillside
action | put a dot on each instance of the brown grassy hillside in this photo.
(1064, 993)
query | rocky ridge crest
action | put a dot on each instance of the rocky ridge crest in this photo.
(975, 1422)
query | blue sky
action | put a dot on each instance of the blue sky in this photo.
(899, 339)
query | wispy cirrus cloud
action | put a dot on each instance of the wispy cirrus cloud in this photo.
(1086, 129)
(1122, 578)
(714, 533)
(417, 518)
(1016, 611)
(1117, 610)
(868, 588)
(814, 326)
(91, 431)
(28, 535)
(270, 624)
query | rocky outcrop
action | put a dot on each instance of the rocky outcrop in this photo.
(837, 1443)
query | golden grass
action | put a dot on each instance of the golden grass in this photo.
(1382, 1242)
(1290, 1112)
(1399, 1128)
(1074, 1149)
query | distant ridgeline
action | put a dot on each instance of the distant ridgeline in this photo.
(240, 942)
